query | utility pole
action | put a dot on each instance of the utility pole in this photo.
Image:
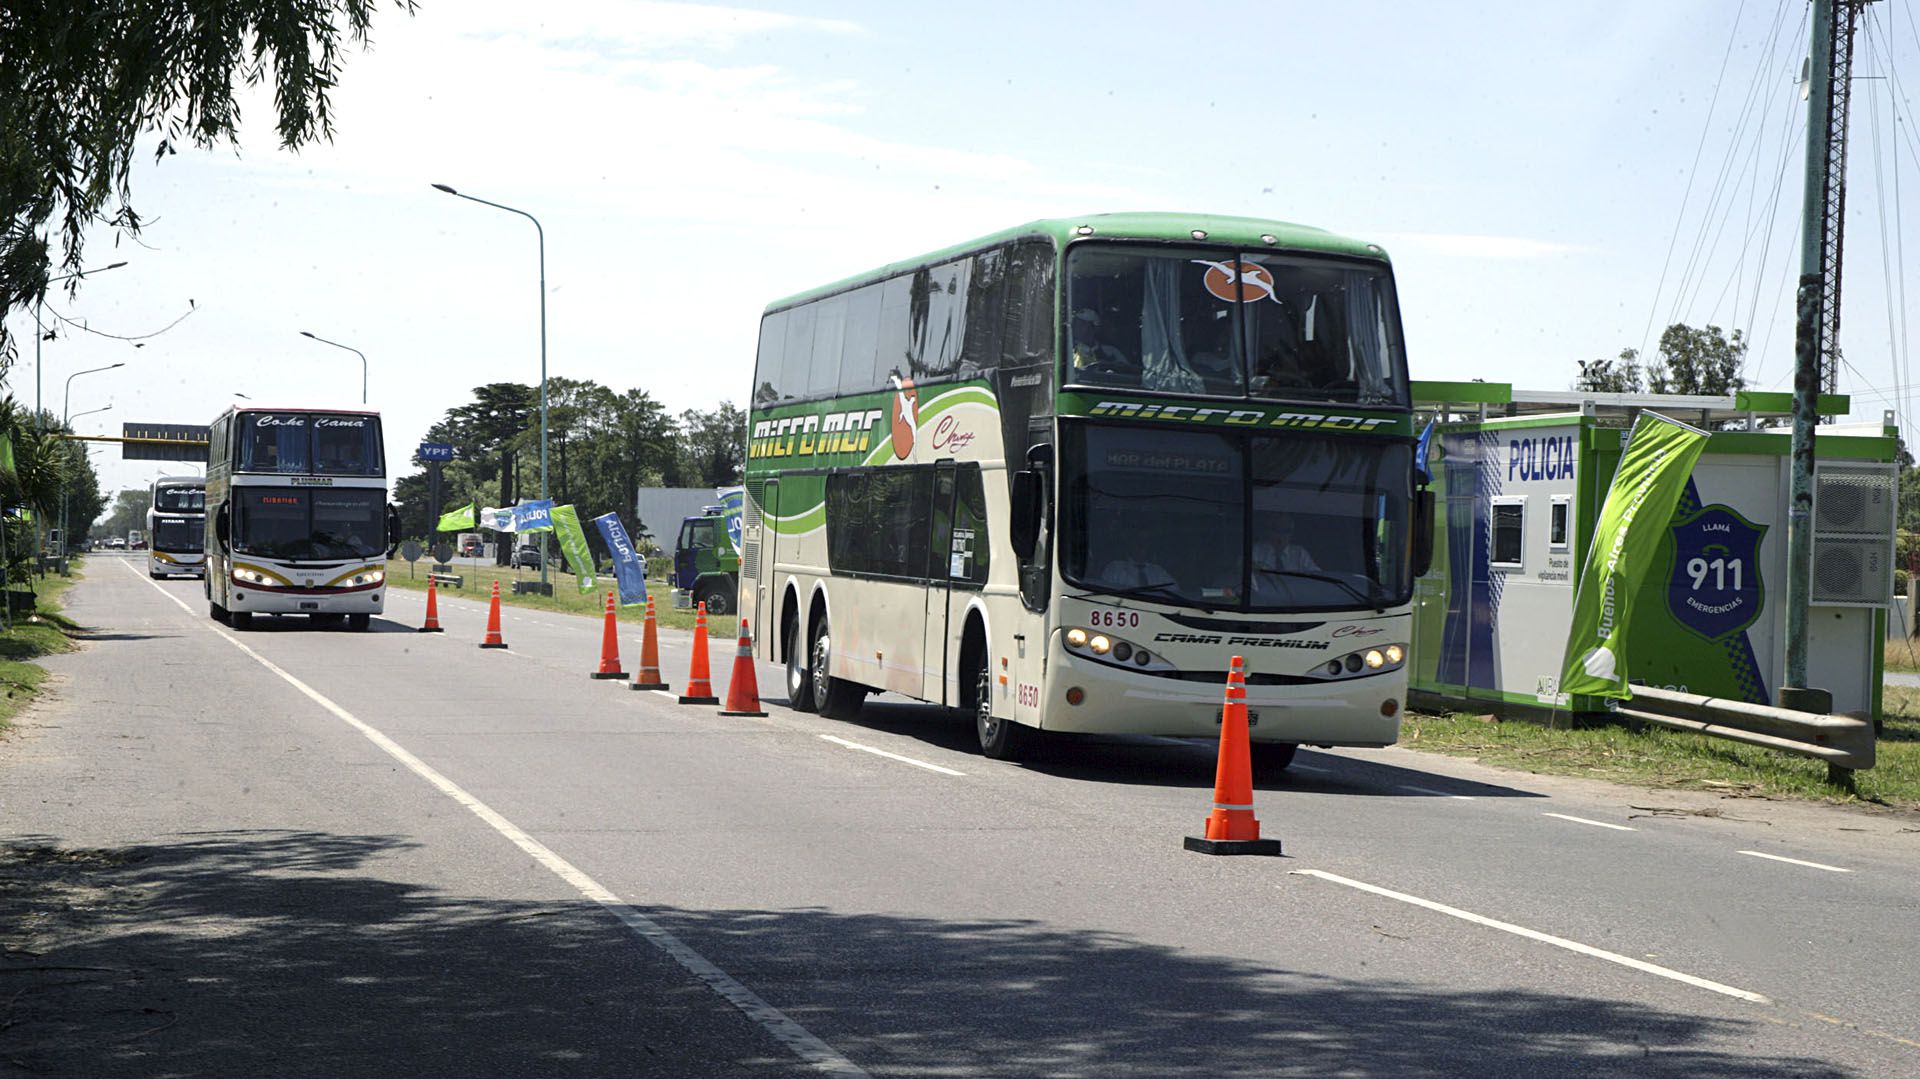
(1817, 314)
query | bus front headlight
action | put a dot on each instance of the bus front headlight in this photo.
(253, 577)
(372, 576)
(1100, 644)
(1077, 637)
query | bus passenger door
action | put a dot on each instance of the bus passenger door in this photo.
(766, 578)
(933, 666)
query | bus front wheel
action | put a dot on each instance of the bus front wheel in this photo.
(240, 620)
(799, 673)
(217, 613)
(1272, 758)
(358, 623)
(1000, 739)
(836, 697)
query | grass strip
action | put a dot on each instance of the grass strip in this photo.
(41, 632)
(1656, 757)
(567, 597)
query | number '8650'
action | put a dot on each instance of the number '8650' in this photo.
(1114, 619)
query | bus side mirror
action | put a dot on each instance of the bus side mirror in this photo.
(223, 525)
(1026, 513)
(1422, 532)
(393, 529)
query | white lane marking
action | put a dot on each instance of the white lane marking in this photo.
(1595, 823)
(892, 756)
(1796, 861)
(1544, 938)
(1310, 768)
(819, 1055)
(1439, 794)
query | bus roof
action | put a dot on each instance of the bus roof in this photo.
(180, 481)
(251, 407)
(1161, 227)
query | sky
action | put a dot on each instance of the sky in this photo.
(1554, 182)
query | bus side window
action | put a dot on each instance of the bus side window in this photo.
(1036, 577)
(967, 549)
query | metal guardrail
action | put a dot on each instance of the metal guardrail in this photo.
(1844, 742)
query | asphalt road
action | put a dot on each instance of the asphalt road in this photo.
(338, 853)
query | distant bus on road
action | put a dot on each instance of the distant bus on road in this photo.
(1058, 476)
(297, 515)
(136, 540)
(177, 525)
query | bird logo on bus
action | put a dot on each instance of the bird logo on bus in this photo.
(906, 415)
(1238, 282)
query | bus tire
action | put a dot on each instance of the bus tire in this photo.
(799, 671)
(1000, 739)
(241, 620)
(1272, 758)
(716, 596)
(836, 697)
(217, 613)
(359, 622)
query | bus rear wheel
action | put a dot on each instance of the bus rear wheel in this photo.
(837, 697)
(1000, 739)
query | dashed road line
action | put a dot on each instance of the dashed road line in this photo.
(1437, 794)
(820, 1056)
(891, 756)
(1595, 823)
(1795, 861)
(1544, 938)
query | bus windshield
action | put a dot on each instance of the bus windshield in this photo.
(1231, 521)
(299, 442)
(302, 524)
(1233, 324)
(177, 499)
(179, 534)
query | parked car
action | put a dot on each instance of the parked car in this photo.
(526, 556)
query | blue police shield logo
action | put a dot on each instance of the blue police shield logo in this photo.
(1715, 589)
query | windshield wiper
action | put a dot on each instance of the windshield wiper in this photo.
(1152, 591)
(1371, 597)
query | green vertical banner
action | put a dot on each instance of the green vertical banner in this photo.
(1626, 540)
(573, 543)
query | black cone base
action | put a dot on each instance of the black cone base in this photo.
(1233, 846)
(756, 715)
(649, 685)
(432, 629)
(699, 700)
(621, 675)
(502, 644)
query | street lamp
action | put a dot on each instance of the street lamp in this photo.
(39, 331)
(66, 420)
(541, 234)
(349, 348)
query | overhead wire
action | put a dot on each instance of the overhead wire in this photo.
(1700, 244)
(1692, 172)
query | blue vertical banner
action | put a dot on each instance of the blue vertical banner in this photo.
(629, 569)
(733, 503)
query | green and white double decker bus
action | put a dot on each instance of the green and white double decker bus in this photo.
(1058, 476)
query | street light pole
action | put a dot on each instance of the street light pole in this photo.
(66, 419)
(541, 234)
(349, 348)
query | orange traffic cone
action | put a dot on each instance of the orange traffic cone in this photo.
(1231, 827)
(493, 621)
(610, 648)
(743, 689)
(649, 677)
(699, 682)
(432, 624)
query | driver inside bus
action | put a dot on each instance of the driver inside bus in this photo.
(1275, 550)
(1093, 358)
(1134, 568)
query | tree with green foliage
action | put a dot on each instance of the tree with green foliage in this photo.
(1704, 361)
(1620, 375)
(81, 81)
(128, 513)
(715, 444)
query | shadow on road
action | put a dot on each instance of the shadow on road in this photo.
(287, 953)
(1169, 762)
